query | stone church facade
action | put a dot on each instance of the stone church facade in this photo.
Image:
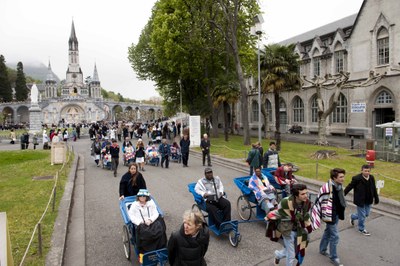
(79, 101)
(364, 42)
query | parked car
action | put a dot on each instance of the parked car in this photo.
(296, 129)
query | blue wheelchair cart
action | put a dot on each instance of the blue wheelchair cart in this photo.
(152, 258)
(247, 201)
(229, 227)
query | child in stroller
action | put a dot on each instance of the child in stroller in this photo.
(152, 154)
(129, 153)
(106, 155)
(176, 155)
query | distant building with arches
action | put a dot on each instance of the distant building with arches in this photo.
(360, 43)
(79, 100)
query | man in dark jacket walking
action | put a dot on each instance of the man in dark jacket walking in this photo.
(205, 145)
(365, 194)
(165, 152)
(185, 143)
(114, 151)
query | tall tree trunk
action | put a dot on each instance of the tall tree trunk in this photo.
(277, 122)
(233, 119)
(214, 120)
(322, 131)
(226, 120)
(243, 93)
(265, 116)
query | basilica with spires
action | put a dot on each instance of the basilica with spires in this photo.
(77, 99)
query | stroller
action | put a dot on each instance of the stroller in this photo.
(106, 160)
(152, 155)
(176, 155)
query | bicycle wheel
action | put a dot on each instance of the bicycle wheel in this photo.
(244, 208)
(126, 241)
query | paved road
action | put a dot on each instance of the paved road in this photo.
(103, 223)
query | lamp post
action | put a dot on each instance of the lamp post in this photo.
(259, 84)
(180, 98)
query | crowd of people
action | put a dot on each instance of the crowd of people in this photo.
(291, 218)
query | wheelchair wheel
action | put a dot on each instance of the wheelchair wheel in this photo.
(126, 241)
(234, 238)
(244, 208)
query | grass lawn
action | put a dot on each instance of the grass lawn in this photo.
(24, 200)
(300, 155)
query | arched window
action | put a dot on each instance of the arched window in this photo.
(254, 109)
(316, 62)
(314, 110)
(339, 58)
(298, 110)
(384, 97)
(268, 107)
(339, 115)
(383, 46)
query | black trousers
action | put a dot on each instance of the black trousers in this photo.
(206, 153)
(213, 207)
(166, 160)
(114, 165)
(185, 158)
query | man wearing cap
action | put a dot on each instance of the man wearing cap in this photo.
(212, 191)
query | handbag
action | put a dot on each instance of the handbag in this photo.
(285, 227)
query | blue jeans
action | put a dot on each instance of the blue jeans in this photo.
(331, 237)
(287, 252)
(362, 213)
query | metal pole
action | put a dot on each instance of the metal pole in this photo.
(180, 96)
(259, 88)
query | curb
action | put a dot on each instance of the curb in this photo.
(59, 236)
(385, 205)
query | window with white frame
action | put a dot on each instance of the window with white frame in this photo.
(317, 66)
(314, 110)
(384, 97)
(268, 107)
(383, 46)
(298, 110)
(339, 115)
(254, 109)
(339, 61)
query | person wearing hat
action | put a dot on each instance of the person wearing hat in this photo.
(212, 191)
(143, 210)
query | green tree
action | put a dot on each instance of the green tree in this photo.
(21, 92)
(238, 16)
(226, 93)
(280, 71)
(5, 86)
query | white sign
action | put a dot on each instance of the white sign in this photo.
(388, 132)
(380, 184)
(6, 258)
(195, 131)
(358, 107)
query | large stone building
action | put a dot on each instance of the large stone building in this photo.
(364, 42)
(76, 100)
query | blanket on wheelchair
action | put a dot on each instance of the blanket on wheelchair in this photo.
(152, 237)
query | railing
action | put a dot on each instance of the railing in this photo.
(52, 201)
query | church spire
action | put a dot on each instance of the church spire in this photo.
(49, 76)
(95, 74)
(73, 41)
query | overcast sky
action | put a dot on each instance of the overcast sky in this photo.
(36, 31)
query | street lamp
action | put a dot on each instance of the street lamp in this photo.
(259, 84)
(180, 96)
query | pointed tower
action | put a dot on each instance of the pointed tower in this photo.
(95, 88)
(74, 85)
(50, 90)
